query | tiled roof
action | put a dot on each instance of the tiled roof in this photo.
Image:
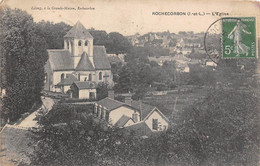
(68, 81)
(78, 31)
(122, 121)
(139, 128)
(60, 59)
(144, 109)
(101, 61)
(85, 84)
(110, 104)
(84, 63)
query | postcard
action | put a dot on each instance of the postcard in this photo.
(87, 82)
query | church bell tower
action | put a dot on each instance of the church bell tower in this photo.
(77, 41)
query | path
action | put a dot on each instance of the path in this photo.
(29, 121)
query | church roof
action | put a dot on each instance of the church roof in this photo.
(78, 31)
(60, 59)
(85, 84)
(84, 63)
(101, 61)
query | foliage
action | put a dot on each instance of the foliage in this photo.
(102, 90)
(25, 55)
(222, 129)
(76, 138)
(52, 33)
(213, 131)
(202, 76)
(114, 42)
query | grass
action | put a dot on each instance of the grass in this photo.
(166, 102)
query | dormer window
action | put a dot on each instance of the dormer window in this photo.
(86, 43)
(79, 43)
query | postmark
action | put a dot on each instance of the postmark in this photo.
(231, 38)
(239, 37)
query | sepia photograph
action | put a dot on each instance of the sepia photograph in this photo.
(129, 83)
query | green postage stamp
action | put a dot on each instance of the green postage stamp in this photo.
(239, 37)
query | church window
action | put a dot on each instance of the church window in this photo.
(79, 43)
(90, 77)
(100, 75)
(62, 76)
(86, 43)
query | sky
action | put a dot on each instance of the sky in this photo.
(130, 17)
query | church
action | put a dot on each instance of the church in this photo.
(79, 67)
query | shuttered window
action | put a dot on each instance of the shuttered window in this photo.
(155, 124)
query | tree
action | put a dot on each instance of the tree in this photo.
(124, 81)
(102, 90)
(71, 136)
(118, 43)
(25, 54)
(222, 129)
(52, 33)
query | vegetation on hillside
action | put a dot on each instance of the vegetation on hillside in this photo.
(221, 129)
(25, 56)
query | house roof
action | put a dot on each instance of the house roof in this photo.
(139, 128)
(78, 31)
(110, 104)
(101, 61)
(84, 63)
(85, 84)
(156, 109)
(122, 121)
(68, 81)
(60, 59)
(144, 109)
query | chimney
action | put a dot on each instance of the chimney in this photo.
(128, 99)
(111, 94)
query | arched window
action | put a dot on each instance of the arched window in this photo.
(86, 43)
(62, 76)
(100, 75)
(90, 77)
(79, 43)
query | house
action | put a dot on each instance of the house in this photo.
(112, 111)
(80, 58)
(83, 90)
(65, 83)
(131, 115)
